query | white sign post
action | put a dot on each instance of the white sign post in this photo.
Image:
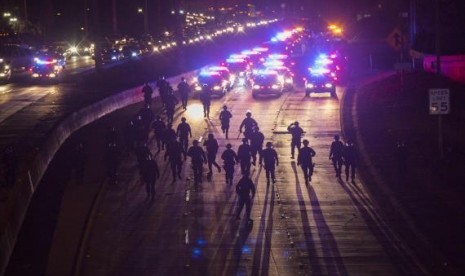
(439, 101)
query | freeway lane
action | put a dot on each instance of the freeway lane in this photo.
(329, 228)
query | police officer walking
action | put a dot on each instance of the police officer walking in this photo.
(175, 151)
(170, 105)
(211, 145)
(248, 124)
(159, 129)
(150, 174)
(335, 154)
(244, 155)
(225, 117)
(184, 132)
(198, 158)
(147, 91)
(304, 159)
(245, 189)
(256, 143)
(350, 159)
(296, 132)
(169, 134)
(269, 158)
(205, 98)
(184, 91)
(229, 160)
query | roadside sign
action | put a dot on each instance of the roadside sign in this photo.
(439, 102)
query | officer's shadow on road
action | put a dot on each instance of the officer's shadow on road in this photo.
(333, 261)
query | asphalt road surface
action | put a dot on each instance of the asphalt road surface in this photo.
(330, 227)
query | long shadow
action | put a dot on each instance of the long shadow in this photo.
(263, 231)
(332, 257)
(402, 261)
(309, 241)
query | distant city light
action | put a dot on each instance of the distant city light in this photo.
(140, 10)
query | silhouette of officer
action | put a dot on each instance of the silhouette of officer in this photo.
(244, 155)
(175, 152)
(335, 154)
(198, 158)
(304, 159)
(211, 146)
(229, 161)
(184, 132)
(269, 160)
(225, 117)
(245, 190)
(296, 132)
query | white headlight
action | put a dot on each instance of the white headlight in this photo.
(35, 75)
(7, 67)
(232, 78)
(275, 86)
(328, 85)
(52, 75)
(310, 85)
(256, 86)
(289, 81)
(216, 87)
(198, 88)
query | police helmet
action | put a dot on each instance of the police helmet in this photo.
(336, 137)
(183, 119)
(225, 107)
(195, 142)
(210, 135)
(245, 140)
(305, 142)
(248, 114)
(269, 144)
(296, 123)
(228, 146)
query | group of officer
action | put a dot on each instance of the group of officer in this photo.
(175, 143)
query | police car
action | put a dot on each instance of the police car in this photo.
(320, 80)
(239, 68)
(266, 82)
(214, 80)
(46, 69)
(284, 73)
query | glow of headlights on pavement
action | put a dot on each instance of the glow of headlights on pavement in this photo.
(194, 111)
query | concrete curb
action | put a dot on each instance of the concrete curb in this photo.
(45, 154)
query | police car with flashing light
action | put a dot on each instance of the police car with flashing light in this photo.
(214, 80)
(320, 80)
(284, 73)
(266, 83)
(240, 70)
(46, 69)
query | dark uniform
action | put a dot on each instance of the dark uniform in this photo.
(229, 160)
(244, 155)
(184, 91)
(205, 98)
(304, 159)
(350, 160)
(211, 145)
(225, 117)
(147, 116)
(244, 189)
(159, 128)
(248, 124)
(163, 89)
(256, 143)
(169, 134)
(170, 105)
(175, 151)
(147, 91)
(150, 174)
(198, 157)
(184, 132)
(269, 157)
(141, 134)
(296, 132)
(335, 154)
